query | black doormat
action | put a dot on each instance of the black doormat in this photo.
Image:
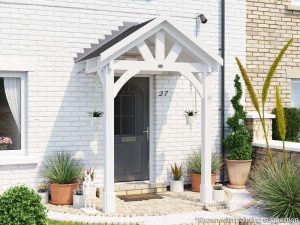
(139, 197)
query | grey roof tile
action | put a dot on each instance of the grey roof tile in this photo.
(110, 40)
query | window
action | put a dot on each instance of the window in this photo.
(296, 2)
(295, 93)
(11, 111)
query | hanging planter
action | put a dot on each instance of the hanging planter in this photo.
(96, 119)
(191, 117)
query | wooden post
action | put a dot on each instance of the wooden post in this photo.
(206, 187)
(109, 201)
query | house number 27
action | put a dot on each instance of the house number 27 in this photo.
(163, 93)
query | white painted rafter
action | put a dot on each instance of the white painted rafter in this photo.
(145, 51)
(160, 46)
(123, 65)
(174, 52)
(123, 79)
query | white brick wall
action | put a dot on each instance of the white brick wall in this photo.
(58, 99)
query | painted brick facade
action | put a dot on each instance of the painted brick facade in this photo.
(270, 24)
(58, 99)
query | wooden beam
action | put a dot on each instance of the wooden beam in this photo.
(91, 65)
(123, 79)
(145, 52)
(109, 199)
(160, 46)
(124, 65)
(194, 81)
(80, 66)
(174, 52)
(206, 187)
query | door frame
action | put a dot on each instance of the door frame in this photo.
(151, 123)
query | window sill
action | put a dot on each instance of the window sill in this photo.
(293, 7)
(18, 160)
(289, 146)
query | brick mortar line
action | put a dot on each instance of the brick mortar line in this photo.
(84, 8)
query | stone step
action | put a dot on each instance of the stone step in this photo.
(131, 188)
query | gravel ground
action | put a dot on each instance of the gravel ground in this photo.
(241, 205)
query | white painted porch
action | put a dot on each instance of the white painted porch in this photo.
(171, 51)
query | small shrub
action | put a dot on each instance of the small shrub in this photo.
(292, 118)
(194, 162)
(278, 192)
(19, 205)
(238, 141)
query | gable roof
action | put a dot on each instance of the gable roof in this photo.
(109, 40)
(131, 34)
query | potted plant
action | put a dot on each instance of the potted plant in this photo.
(237, 143)
(177, 183)
(190, 116)
(96, 119)
(42, 190)
(194, 166)
(218, 193)
(78, 198)
(4, 142)
(63, 172)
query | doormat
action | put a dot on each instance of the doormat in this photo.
(139, 197)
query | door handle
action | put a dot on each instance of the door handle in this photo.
(147, 132)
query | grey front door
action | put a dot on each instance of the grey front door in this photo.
(131, 126)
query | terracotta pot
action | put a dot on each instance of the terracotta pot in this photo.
(196, 181)
(62, 194)
(238, 172)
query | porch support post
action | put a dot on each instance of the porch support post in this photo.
(206, 187)
(109, 204)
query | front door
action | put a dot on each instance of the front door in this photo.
(132, 131)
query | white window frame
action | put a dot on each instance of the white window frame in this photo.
(22, 151)
(295, 81)
(294, 2)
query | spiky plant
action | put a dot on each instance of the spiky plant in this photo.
(62, 168)
(177, 172)
(265, 90)
(278, 192)
(281, 125)
(194, 162)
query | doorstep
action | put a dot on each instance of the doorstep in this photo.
(138, 187)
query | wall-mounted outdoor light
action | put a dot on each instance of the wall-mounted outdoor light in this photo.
(202, 18)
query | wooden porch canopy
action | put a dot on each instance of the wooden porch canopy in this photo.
(157, 45)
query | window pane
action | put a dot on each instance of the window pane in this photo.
(128, 125)
(128, 104)
(296, 2)
(10, 118)
(296, 93)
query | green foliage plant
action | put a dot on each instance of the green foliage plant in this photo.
(278, 192)
(96, 114)
(218, 187)
(78, 191)
(42, 188)
(292, 116)
(265, 90)
(190, 113)
(238, 141)
(62, 168)
(194, 162)
(177, 172)
(20, 205)
(276, 187)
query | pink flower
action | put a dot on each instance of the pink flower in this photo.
(5, 141)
